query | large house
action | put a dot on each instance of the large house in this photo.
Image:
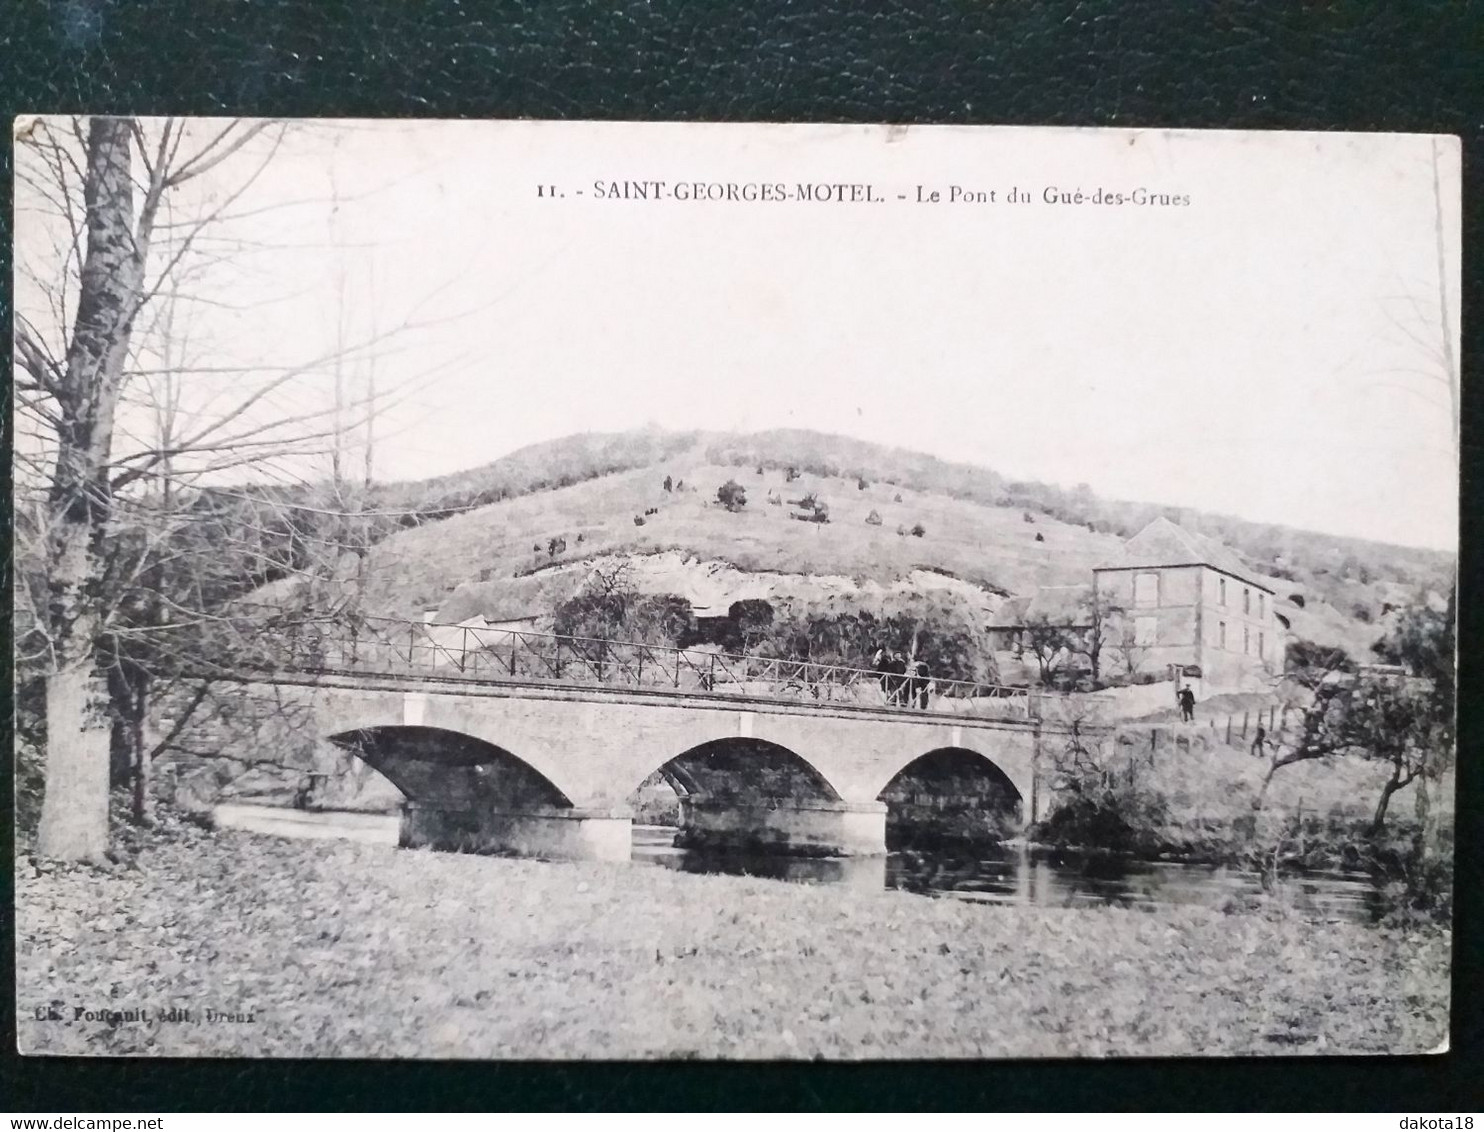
(1187, 600)
(1173, 603)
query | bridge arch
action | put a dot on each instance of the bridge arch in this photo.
(744, 793)
(449, 769)
(751, 771)
(951, 794)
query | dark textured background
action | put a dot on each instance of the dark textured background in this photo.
(1196, 63)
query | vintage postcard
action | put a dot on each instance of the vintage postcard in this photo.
(568, 590)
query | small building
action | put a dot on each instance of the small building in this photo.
(1063, 606)
(1188, 601)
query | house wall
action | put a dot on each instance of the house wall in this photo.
(1252, 651)
(1188, 618)
(1175, 616)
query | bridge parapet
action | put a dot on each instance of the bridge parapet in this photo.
(408, 649)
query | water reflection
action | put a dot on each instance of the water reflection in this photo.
(998, 875)
(1020, 875)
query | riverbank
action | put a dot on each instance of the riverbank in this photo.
(323, 948)
(1179, 795)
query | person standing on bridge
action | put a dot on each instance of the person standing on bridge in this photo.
(896, 678)
(921, 680)
(880, 664)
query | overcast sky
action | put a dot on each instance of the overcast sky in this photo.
(1268, 350)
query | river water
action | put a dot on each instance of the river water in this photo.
(1004, 875)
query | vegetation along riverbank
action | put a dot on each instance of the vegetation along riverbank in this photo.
(350, 950)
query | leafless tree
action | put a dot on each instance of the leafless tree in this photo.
(1102, 615)
(1050, 642)
(1130, 651)
(124, 218)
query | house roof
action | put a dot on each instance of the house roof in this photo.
(1164, 543)
(1011, 612)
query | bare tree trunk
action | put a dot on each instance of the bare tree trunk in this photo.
(74, 808)
(1393, 784)
(74, 812)
(141, 813)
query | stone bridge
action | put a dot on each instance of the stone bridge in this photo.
(549, 771)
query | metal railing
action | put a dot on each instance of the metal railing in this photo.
(383, 645)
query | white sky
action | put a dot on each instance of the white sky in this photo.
(1268, 351)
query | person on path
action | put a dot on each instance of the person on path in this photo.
(1187, 705)
(1258, 741)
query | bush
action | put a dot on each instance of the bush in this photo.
(874, 518)
(622, 614)
(1302, 654)
(918, 530)
(732, 495)
(861, 483)
(897, 498)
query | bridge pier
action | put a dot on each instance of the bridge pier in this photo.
(550, 832)
(805, 829)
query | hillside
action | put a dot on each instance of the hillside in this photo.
(503, 549)
(534, 544)
(515, 537)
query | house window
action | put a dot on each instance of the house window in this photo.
(1246, 640)
(1262, 645)
(1146, 589)
(1221, 634)
(1262, 606)
(1221, 591)
(1246, 603)
(1146, 630)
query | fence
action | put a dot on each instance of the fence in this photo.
(406, 648)
(1233, 729)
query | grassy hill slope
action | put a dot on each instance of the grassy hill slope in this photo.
(485, 534)
(991, 547)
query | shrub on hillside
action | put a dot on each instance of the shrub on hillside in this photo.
(1306, 656)
(874, 518)
(732, 495)
(945, 631)
(861, 483)
(751, 619)
(609, 609)
(918, 530)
